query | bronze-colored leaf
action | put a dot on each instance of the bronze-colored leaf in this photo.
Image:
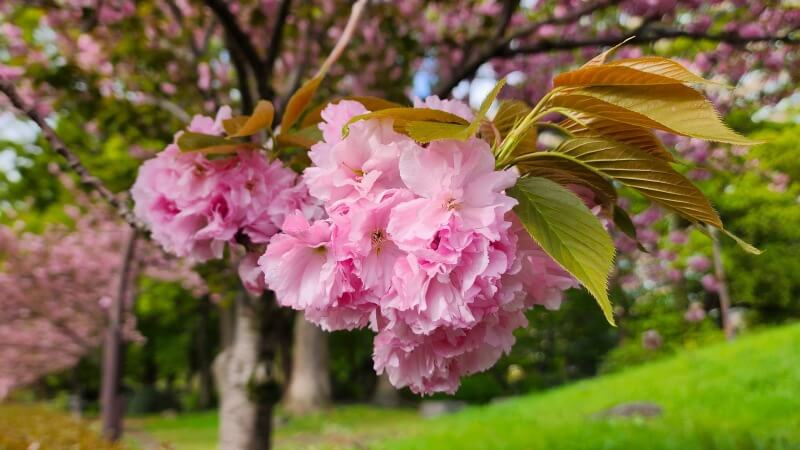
(566, 172)
(602, 58)
(653, 177)
(583, 125)
(626, 72)
(303, 138)
(261, 118)
(298, 102)
(674, 108)
(190, 141)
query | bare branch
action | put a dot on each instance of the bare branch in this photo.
(73, 161)
(344, 39)
(277, 37)
(498, 46)
(509, 7)
(242, 80)
(729, 38)
(242, 41)
(642, 35)
(167, 105)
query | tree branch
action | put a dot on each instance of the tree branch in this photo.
(276, 40)
(242, 80)
(729, 38)
(73, 161)
(241, 40)
(502, 42)
(509, 6)
(640, 36)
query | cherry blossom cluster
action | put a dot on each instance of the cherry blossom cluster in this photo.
(194, 205)
(419, 244)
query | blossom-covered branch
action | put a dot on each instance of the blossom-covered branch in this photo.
(647, 37)
(501, 42)
(73, 161)
(507, 46)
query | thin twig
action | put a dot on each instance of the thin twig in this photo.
(73, 161)
(169, 106)
(344, 39)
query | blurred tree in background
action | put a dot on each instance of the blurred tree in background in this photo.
(116, 79)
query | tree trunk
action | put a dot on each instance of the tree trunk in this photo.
(76, 397)
(724, 296)
(206, 394)
(111, 399)
(242, 379)
(386, 395)
(310, 387)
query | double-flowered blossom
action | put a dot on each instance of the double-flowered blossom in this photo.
(420, 244)
(195, 205)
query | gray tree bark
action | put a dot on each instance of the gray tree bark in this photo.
(111, 400)
(239, 371)
(310, 387)
(204, 355)
(386, 395)
(724, 296)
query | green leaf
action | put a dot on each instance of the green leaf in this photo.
(403, 118)
(566, 172)
(427, 131)
(624, 223)
(567, 231)
(190, 141)
(314, 116)
(509, 114)
(422, 131)
(485, 105)
(749, 248)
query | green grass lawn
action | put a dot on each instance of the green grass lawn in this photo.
(342, 427)
(743, 395)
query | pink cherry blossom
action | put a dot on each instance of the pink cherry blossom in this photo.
(695, 313)
(452, 106)
(419, 243)
(251, 275)
(710, 283)
(698, 263)
(194, 205)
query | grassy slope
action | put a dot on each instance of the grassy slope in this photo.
(740, 396)
(744, 395)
